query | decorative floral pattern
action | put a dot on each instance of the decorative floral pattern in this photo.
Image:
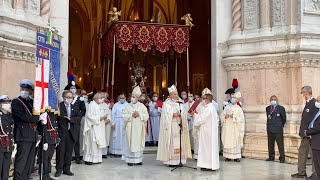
(145, 36)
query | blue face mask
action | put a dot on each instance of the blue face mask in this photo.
(233, 101)
(190, 99)
(274, 103)
(122, 101)
(317, 105)
(184, 97)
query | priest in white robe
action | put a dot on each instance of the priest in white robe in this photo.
(135, 116)
(94, 132)
(117, 125)
(208, 122)
(232, 133)
(85, 100)
(155, 106)
(173, 113)
(105, 111)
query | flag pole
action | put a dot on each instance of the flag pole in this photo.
(113, 63)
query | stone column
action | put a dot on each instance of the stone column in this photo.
(265, 16)
(18, 4)
(45, 8)
(236, 15)
(59, 18)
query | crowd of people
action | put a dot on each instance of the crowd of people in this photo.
(90, 127)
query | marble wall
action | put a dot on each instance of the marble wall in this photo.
(275, 52)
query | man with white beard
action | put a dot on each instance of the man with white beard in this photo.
(117, 125)
(105, 111)
(135, 116)
(94, 132)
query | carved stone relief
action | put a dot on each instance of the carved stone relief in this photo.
(7, 3)
(32, 6)
(312, 6)
(278, 12)
(251, 14)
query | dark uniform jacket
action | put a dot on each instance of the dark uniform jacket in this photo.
(309, 111)
(276, 119)
(63, 122)
(315, 134)
(50, 130)
(25, 124)
(6, 143)
(81, 105)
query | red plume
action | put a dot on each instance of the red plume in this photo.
(235, 84)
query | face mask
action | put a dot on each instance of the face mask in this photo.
(6, 107)
(204, 102)
(190, 99)
(24, 94)
(317, 105)
(142, 98)
(133, 100)
(274, 103)
(122, 101)
(101, 101)
(68, 101)
(184, 96)
(85, 100)
(155, 98)
(81, 98)
(73, 91)
(233, 101)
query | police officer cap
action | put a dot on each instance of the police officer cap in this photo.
(26, 83)
(4, 98)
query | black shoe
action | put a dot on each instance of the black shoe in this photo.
(69, 173)
(173, 166)
(227, 160)
(313, 177)
(104, 156)
(35, 168)
(205, 169)
(58, 173)
(270, 159)
(74, 158)
(297, 175)
(140, 163)
(237, 160)
(47, 177)
(78, 161)
(130, 164)
(147, 144)
(88, 163)
(282, 161)
(156, 143)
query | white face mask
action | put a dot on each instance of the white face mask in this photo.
(73, 91)
(6, 107)
(81, 98)
(133, 100)
(101, 101)
(24, 94)
(317, 105)
(155, 98)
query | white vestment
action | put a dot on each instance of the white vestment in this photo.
(135, 132)
(154, 122)
(81, 132)
(187, 106)
(169, 137)
(105, 111)
(232, 132)
(195, 132)
(94, 134)
(208, 122)
(117, 134)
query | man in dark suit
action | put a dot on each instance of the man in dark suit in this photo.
(25, 131)
(309, 111)
(313, 132)
(276, 119)
(79, 102)
(67, 128)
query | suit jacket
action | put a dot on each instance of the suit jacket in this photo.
(50, 130)
(7, 126)
(276, 120)
(309, 111)
(63, 122)
(24, 122)
(315, 134)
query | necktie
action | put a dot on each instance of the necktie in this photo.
(69, 114)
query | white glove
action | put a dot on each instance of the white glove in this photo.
(43, 118)
(45, 146)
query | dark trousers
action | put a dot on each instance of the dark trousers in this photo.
(272, 138)
(303, 152)
(316, 161)
(5, 160)
(47, 157)
(24, 160)
(77, 144)
(64, 152)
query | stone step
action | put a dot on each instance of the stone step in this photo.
(150, 150)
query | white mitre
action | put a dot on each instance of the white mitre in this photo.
(173, 88)
(136, 92)
(206, 91)
(237, 95)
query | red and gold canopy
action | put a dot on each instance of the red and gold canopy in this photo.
(145, 36)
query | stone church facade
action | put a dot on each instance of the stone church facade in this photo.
(271, 46)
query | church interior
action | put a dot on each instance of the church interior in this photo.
(89, 21)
